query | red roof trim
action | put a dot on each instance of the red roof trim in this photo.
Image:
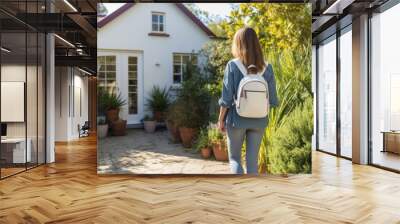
(182, 7)
(114, 14)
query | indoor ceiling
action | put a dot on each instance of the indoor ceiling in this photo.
(73, 21)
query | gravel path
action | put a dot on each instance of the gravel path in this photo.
(152, 153)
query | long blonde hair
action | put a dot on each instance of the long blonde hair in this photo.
(246, 47)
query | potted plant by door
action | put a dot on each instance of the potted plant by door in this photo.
(158, 102)
(218, 141)
(102, 127)
(118, 127)
(113, 105)
(149, 124)
(203, 144)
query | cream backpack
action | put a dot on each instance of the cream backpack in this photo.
(252, 100)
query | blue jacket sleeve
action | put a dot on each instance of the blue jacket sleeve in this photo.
(226, 99)
(273, 96)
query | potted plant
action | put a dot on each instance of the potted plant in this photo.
(158, 102)
(102, 127)
(113, 104)
(203, 144)
(192, 104)
(218, 142)
(149, 124)
(118, 127)
(186, 121)
(171, 122)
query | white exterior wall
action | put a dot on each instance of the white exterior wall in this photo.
(128, 34)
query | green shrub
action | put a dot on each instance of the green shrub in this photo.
(109, 101)
(158, 100)
(202, 140)
(193, 99)
(291, 143)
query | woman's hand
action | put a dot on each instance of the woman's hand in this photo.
(221, 126)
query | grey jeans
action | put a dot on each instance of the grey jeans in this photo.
(236, 138)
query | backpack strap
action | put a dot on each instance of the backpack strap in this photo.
(240, 65)
(243, 69)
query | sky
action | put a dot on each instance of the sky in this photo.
(221, 9)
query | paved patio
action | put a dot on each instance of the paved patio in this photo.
(152, 153)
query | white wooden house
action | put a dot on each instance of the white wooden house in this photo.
(141, 45)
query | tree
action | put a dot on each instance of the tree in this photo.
(101, 10)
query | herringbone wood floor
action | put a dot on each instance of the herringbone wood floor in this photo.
(69, 191)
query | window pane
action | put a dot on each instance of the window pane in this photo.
(194, 59)
(132, 75)
(102, 67)
(101, 60)
(111, 76)
(177, 78)
(132, 101)
(177, 69)
(154, 27)
(327, 96)
(385, 88)
(177, 59)
(161, 28)
(132, 60)
(161, 17)
(154, 18)
(132, 68)
(185, 59)
(110, 68)
(346, 94)
(110, 60)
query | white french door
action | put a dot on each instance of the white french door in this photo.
(134, 87)
(129, 82)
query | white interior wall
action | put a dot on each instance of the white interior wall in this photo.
(70, 83)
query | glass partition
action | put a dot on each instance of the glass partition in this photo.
(13, 86)
(22, 101)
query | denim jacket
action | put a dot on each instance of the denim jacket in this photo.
(232, 77)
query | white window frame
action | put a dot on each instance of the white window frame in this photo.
(181, 64)
(158, 14)
(106, 79)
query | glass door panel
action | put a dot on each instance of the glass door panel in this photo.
(132, 85)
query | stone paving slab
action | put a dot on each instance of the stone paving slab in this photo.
(152, 153)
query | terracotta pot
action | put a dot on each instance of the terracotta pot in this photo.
(150, 126)
(173, 132)
(187, 136)
(112, 115)
(205, 153)
(159, 116)
(220, 151)
(102, 130)
(118, 127)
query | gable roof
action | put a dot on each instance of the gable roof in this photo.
(180, 6)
